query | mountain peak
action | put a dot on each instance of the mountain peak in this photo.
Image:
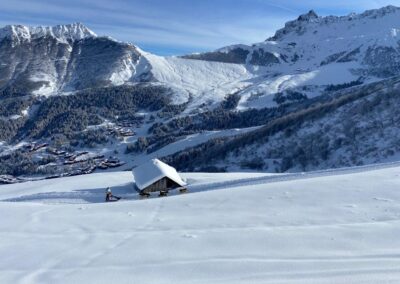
(308, 16)
(75, 31)
(296, 25)
(311, 20)
(390, 9)
(64, 33)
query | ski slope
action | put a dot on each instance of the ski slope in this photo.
(322, 227)
(205, 82)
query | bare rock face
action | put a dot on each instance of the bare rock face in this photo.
(297, 25)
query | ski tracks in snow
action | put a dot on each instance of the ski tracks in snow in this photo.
(85, 238)
(124, 240)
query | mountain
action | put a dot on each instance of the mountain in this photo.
(63, 33)
(310, 50)
(316, 50)
(354, 127)
(49, 60)
(277, 105)
(311, 41)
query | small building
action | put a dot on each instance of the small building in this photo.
(156, 176)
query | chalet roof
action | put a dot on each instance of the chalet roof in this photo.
(154, 170)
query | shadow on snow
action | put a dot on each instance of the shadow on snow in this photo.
(94, 195)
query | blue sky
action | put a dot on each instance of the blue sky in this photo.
(169, 27)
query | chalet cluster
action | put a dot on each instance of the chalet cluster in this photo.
(120, 131)
(55, 162)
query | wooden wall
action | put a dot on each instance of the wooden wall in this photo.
(161, 185)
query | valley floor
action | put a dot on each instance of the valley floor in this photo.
(326, 227)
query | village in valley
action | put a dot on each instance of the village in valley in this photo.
(68, 164)
(62, 163)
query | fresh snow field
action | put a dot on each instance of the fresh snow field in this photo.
(325, 227)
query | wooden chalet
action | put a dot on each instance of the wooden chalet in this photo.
(156, 176)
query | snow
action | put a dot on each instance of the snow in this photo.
(63, 33)
(124, 74)
(207, 82)
(261, 93)
(48, 84)
(6, 149)
(312, 41)
(152, 171)
(25, 112)
(302, 46)
(325, 227)
(372, 23)
(128, 70)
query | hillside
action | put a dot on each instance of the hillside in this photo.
(322, 227)
(354, 127)
(73, 102)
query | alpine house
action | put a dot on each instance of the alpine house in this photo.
(156, 176)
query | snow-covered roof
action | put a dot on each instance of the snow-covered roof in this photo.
(154, 170)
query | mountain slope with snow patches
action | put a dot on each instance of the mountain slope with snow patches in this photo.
(305, 48)
(326, 227)
(51, 60)
(340, 49)
(76, 91)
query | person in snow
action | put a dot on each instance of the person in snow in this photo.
(110, 197)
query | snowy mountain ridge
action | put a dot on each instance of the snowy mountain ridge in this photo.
(310, 39)
(306, 52)
(45, 61)
(312, 52)
(311, 19)
(63, 33)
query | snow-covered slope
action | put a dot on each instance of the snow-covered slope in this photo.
(306, 55)
(147, 105)
(352, 127)
(314, 51)
(204, 81)
(310, 40)
(332, 227)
